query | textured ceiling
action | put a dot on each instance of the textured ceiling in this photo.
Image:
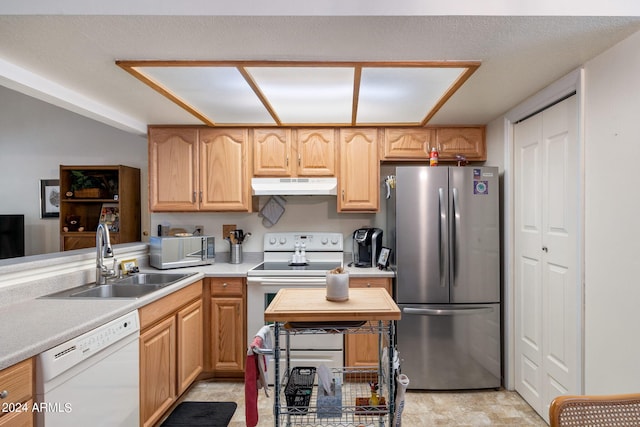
(77, 54)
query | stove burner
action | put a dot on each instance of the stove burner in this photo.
(298, 264)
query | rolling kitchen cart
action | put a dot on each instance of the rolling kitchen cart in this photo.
(297, 400)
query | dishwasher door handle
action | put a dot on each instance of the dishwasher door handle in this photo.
(447, 311)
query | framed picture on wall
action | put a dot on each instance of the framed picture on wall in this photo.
(49, 198)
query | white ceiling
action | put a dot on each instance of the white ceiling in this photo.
(70, 60)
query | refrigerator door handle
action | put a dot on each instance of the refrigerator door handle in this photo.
(455, 224)
(447, 311)
(442, 227)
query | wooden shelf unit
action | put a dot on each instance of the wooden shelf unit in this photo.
(122, 190)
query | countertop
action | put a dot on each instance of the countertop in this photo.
(32, 325)
(311, 305)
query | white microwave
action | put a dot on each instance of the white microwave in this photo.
(175, 252)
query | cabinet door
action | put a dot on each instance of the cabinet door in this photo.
(359, 172)
(190, 349)
(228, 345)
(272, 154)
(23, 418)
(157, 370)
(17, 382)
(362, 349)
(408, 143)
(173, 174)
(224, 165)
(466, 141)
(316, 152)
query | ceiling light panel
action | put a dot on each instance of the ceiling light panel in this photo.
(402, 95)
(307, 94)
(219, 93)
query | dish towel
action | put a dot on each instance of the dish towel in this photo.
(255, 375)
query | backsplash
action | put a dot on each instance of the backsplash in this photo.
(302, 213)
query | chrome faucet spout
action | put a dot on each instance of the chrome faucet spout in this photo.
(103, 251)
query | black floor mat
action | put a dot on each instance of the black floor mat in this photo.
(211, 414)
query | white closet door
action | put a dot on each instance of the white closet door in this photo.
(547, 288)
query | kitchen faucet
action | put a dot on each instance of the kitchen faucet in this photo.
(103, 251)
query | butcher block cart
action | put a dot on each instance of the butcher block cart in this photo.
(358, 396)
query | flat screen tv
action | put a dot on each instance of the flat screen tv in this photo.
(11, 236)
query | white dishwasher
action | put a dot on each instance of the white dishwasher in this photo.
(92, 379)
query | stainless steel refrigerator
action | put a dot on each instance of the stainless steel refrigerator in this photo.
(444, 223)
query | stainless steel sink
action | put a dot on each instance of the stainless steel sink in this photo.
(133, 286)
(150, 279)
(116, 291)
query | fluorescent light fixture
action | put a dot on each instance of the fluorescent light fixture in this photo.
(307, 94)
(404, 95)
(291, 93)
(219, 93)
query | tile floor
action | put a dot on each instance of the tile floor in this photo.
(476, 408)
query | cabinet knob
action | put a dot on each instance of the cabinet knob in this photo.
(225, 284)
(4, 394)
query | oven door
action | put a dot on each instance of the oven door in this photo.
(305, 350)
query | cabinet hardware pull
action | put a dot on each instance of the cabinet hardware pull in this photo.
(193, 199)
(201, 197)
(299, 160)
(287, 161)
(343, 195)
(4, 394)
(545, 249)
(225, 284)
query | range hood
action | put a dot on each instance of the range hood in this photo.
(294, 186)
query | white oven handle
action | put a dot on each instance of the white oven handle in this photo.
(287, 280)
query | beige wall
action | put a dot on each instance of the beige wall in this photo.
(612, 208)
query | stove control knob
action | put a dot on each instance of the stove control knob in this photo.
(283, 240)
(272, 241)
(324, 240)
(334, 240)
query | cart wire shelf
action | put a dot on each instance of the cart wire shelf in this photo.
(355, 384)
(312, 328)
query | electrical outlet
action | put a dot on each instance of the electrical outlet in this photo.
(226, 229)
(199, 230)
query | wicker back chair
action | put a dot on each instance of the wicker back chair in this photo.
(595, 411)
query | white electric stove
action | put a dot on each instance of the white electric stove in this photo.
(294, 260)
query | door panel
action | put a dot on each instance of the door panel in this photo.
(421, 235)
(453, 346)
(475, 235)
(547, 288)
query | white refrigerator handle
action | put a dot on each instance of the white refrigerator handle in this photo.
(447, 311)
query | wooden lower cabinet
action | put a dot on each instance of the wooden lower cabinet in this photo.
(16, 384)
(227, 326)
(171, 355)
(190, 323)
(157, 370)
(361, 350)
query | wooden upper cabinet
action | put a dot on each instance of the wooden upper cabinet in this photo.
(316, 152)
(199, 169)
(358, 182)
(173, 169)
(272, 152)
(466, 141)
(224, 170)
(408, 143)
(293, 152)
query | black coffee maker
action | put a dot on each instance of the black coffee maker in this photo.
(367, 243)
